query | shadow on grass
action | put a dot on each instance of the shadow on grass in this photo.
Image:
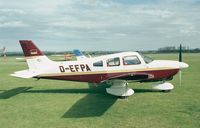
(96, 103)
(99, 89)
(13, 92)
(92, 105)
(64, 91)
(145, 90)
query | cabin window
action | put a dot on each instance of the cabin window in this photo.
(98, 64)
(113, 62)
(131, 60)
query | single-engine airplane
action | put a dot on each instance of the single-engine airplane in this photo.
(118, 69)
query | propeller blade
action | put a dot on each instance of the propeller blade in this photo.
(180, 53)
(180, 60)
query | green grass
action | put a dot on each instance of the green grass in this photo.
(30, 103)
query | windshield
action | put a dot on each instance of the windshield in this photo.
(146, 58)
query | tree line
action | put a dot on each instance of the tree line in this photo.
(168, 49)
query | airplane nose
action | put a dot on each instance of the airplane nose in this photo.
(183, 65)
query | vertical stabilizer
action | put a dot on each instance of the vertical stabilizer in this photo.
(35, 58)
(30, 49)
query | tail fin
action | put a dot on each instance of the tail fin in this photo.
(36, 60)
(30, 49)
(79, 55)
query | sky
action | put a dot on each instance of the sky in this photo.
(91, 25)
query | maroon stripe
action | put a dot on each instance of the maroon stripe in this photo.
(97, 78)
(29, 48)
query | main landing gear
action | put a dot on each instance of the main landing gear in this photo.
(120, 88)
(163, 86)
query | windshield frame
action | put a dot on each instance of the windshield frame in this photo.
(146, 59)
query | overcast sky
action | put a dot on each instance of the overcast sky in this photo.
(58, 25)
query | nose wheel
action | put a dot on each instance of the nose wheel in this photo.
(120, 88)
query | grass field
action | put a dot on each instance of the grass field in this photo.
(28, 103)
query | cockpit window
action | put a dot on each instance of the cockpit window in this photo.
(146, 58)
(131, 60)
(113, 62)
(98, 64)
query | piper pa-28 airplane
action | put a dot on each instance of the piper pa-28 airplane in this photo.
(119, 69)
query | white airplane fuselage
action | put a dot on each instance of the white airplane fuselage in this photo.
(86, 71)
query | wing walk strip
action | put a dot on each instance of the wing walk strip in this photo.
(105, 72)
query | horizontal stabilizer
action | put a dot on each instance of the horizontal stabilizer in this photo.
(25, 74)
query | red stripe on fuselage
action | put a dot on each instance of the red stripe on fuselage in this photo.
(97, 78)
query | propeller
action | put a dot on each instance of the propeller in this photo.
(180, 53)
(180, 60)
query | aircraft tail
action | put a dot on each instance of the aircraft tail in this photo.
(30, 49)
(35, 58)
(79, 55)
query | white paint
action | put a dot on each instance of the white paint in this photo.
(163, 86)
(120, 88)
